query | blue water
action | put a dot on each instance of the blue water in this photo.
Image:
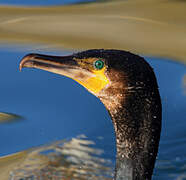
(41, 2)
(56, 108)
(48, 102)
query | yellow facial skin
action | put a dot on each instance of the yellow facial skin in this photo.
(94, 80)
(97, 81)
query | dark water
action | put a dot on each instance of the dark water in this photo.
(57, 108)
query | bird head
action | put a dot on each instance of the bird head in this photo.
(92, 69)
(108, 74)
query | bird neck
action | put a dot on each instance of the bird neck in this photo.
(137, 123)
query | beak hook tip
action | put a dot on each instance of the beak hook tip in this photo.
(25, 60)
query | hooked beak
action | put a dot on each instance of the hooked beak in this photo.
(63, 65)
(67, 66)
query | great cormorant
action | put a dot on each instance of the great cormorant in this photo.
(127, 86)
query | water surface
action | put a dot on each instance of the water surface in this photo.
(56, 108)
(42, 3)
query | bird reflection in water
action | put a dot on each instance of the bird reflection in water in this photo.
(73, 159)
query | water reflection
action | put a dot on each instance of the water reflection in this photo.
(133, 25)
(42, 3)
(8, 117)
(74, 159)
(57, 108)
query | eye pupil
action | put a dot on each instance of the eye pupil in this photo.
(99, 64)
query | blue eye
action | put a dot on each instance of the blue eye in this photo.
(99, 64)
